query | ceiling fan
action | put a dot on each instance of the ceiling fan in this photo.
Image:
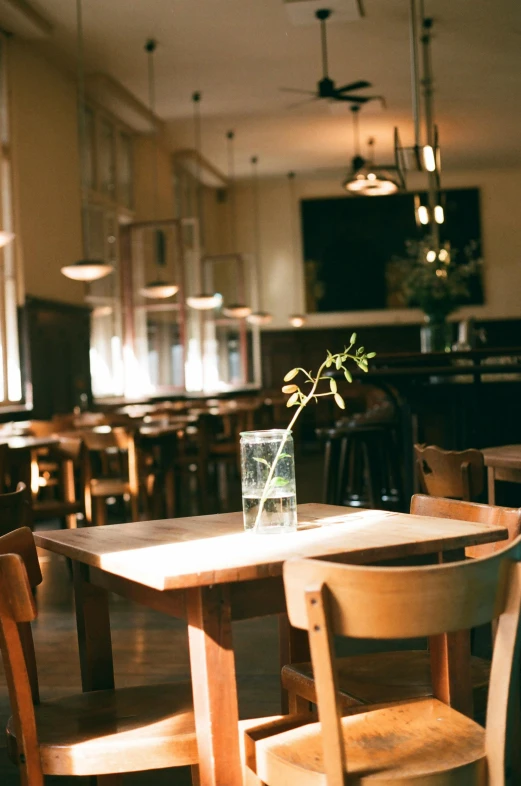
(326, 88)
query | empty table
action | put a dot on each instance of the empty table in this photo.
(502, 463)
(208, 571)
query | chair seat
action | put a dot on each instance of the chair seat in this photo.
(125, 730)
(390, 744)
(382, 677)
(109, 487)
(55, 508)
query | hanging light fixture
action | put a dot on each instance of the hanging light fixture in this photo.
(85, 269)
(295, 320)
(204, 301)
(423, 156)
(234, 310)
(257, 317)
(5, 238)
(366, 178)
(158, 289)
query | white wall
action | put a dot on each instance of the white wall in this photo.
(281, 252)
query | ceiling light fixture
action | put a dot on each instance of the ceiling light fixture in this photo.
(85, 269)
(234, 310)
(425, 157)
(258, 317)
(159, 289)
(204, 301)
(366, 178)
(295, 320)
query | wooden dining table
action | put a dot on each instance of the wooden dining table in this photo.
(502, 463)
(208, 571)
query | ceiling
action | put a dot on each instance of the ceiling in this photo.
(239, 52)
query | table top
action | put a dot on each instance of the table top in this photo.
(204, 550)
(504, 456)
(28, 442)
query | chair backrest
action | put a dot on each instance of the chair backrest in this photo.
(510, 518)
(116, 439)
(14, 509)
(19, 574)
(386, 603)
(459, 474)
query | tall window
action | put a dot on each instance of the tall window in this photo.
(10, 374)
(110, 178)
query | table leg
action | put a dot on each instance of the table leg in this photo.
(93, 625)
(293, 648)
(491, 483)
(212, 664)
(450, 661)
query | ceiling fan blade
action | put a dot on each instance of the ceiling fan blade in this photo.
(353, 86)
(296, 90)
(354, 99)
(303, 103)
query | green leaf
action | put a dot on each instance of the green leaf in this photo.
(371, 355)
(328, 362)
(291, 374)
(347, 375)
(261, 460)
(333, 386)
(352, 339)
(338, 362)
(278, 482)
(340, 401)
(284, 455)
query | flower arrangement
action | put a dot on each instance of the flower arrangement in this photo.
(434, 281)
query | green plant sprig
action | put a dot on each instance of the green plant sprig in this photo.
(297, 398)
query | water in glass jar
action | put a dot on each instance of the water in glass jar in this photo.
(279, 514)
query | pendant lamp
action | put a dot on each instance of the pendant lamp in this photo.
(367, 179)
(233, 310)
(159, 288)
(257, 317)
(295, 320)
(86, 269)
(204, 301)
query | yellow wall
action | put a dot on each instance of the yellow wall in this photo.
(281, 254)
(144, 162)
(45, 173)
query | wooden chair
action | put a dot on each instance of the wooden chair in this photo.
(14, 509)
(393, 676)
(101, 480)
(62, 502)
(419, 741)
(457, 474)
(89, 734)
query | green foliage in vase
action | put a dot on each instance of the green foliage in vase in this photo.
(300, 398)
(435, 282)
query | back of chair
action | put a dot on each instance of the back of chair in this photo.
(459, 474)
(19, 574)
(14, 509)
(510, 518)
(387, 603)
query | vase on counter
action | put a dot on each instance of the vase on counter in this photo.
(436, 334)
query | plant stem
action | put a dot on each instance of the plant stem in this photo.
(287, 432)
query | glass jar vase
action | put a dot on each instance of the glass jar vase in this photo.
(269, 499)
(436, 334)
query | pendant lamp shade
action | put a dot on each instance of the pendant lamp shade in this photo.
(260, 318)
(371, 181)
(88, 268)
(6, 238)
(237, 311)
(205, 301)
(297, 320)
(159, 289)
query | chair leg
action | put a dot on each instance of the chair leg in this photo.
(170, 492)
(297, 704)
(100, 518)
(134, 507)
(194, 769)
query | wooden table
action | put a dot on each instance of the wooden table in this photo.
(208, 571)
(23, 460)
(503, 463)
